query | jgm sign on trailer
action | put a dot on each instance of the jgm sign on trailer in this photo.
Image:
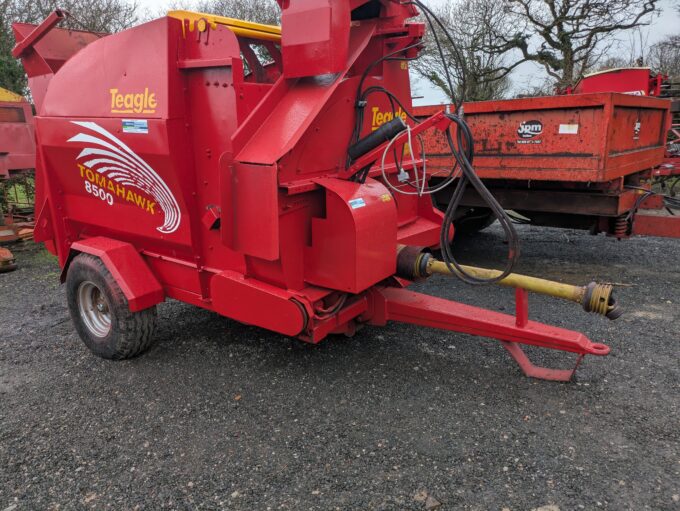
(528, 131)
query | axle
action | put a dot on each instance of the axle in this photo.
(594, 297)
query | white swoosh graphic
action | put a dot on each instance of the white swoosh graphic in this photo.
(110, 157)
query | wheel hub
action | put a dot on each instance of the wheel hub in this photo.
(94, 309)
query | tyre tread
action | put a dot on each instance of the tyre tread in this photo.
(132, 332)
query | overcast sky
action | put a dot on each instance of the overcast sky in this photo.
(527, 74)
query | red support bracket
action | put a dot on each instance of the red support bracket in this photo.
(538, 372)
(518, 354)
(38, 33)
(396, 304)
(656, 225)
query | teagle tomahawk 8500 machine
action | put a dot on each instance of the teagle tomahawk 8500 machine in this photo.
(271, 175)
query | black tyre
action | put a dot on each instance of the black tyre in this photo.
(100, 312)
(473, 221)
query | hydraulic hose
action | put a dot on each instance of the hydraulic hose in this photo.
(462, 150)
(463, 153)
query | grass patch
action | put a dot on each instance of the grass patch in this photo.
(17, 192)
(43, 256)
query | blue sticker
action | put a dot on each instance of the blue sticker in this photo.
(357, 203)
(136, 126)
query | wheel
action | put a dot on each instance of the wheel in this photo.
(473, 221)
(100, 312)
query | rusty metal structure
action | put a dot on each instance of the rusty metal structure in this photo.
(17, 158)
(587, 159)
(17, 145)
(267, 174)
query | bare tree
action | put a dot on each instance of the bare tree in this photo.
(567, 37)
(531, 89)
(477, 74)
(632, 53)
(664, 56)
(106, 16)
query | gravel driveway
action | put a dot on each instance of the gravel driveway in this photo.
(221, 415)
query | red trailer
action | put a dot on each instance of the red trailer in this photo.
(17, 142)
(175, 161)
(641, 81)
(17, 157)
(587, 159)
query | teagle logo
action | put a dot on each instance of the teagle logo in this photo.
(133, 103)
(530, 129)
(380, 118)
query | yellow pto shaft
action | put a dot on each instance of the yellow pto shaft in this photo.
(594, 297)
(533, 284)
(597, 298)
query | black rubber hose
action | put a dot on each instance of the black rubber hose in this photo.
(464, 155)
(384, 133)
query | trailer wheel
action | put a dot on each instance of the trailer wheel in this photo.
(473, 221)
(100, 312)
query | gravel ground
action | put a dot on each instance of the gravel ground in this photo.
(221, 415)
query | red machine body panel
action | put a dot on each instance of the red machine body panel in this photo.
(44, 51)
(319, 48)
(158, 137)
(582, 137)
(360, 229)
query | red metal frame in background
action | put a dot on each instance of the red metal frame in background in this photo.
(671, 166)
(17, 158)
(638, 81)
(17, 140)
(583, 166)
